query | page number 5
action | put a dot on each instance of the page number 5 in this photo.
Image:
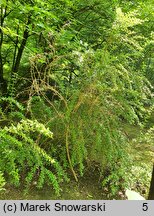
(145, 207)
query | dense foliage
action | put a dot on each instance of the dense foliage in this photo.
(72, 74)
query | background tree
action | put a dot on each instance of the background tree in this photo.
(151, 190)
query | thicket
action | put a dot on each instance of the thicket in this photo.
(70, 89)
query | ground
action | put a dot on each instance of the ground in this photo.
(87, 188)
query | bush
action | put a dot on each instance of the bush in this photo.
(23, 157)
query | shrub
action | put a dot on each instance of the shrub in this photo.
(23, 157)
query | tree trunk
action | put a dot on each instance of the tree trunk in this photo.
(3, 83)
(21, 48)
(151, 191)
